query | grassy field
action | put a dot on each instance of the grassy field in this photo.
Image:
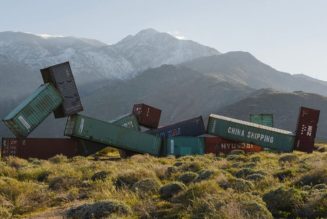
(261, 185)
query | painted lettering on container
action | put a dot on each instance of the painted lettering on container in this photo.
(250, 135)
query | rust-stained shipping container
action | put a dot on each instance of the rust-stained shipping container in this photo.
(62, 78)
(146, 115)
(41, 148)
(306, 129)
(218, 145)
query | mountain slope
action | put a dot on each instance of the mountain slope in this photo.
(284, 106)
(244, 68)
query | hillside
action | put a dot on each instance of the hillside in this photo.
(284, 106)
(262, 185)
(244, 68)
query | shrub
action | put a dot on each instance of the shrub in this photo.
(169, 190)
(283, 202)
(315, 206)
(100, 209)
(205, 175)
(290, 158)
(255, 177)
(236, 157)
(187, 177)
(128, 179)
(102, 175)
(243, 173)
(63, 183)
(148, 185)
(239, 185)
(16, 162)
(191, 166)
(253, 209)
(313, 177)
(284, 174)
(58, 159)
(320, 187)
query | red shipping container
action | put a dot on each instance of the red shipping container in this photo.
(42, 148)
(146, 115)
(218, 145)
(306, 129)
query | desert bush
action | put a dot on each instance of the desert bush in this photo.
(101, 209)
(315, 206)
(127, 179)
(206, 174)
(191, 166)
(255, 177)
(290, 158)
(63, 183)
(253, 209)
(16, 162)
(146, 186)
(320, 187)
(33, 173)
(203, 190)
(243, 173)
(239, 185)
(284, 203)
(187, 177)
(284, 174)
(58, 159)
(102, 175)
(169, 190)
(237, 157)
(6, 170)
(313, 177)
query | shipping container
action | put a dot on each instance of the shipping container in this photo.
(127, 121)
(146, 115)
(306, 129)
(86, 148)
(218, 145)
(262, 119)
(62, 78)
(33, 110)
(191, 127)
(181, 146)
(247, 132)
(95, 130)
(41, 148)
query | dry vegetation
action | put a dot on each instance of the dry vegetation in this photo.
(262, 185)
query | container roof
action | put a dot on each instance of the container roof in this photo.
(255, 125)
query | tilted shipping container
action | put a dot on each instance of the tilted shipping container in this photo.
(247, 132)
(62, 78)
(41, 148)
(148, 116)
(306, 129)
(262, 119)
(33, 110)
(110, 134)
(191, 127)
(127, 121)
(182, 146)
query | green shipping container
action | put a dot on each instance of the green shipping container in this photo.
(127, 121)
(181, 146)
(33, 110)
(110, 134)
(247, 132)
(262, 119)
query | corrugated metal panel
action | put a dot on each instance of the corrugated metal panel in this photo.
(41, 148)
(107, 133)
(242, 131)
(146, 115)
(217, 145)
(306, 129)
(33, 110)
(181, 146)
(262, 119)
(62, 78)
(192, 127)
(127, 121)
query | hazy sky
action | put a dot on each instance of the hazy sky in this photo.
(290, 35)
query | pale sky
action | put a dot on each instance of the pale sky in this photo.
(289, 35)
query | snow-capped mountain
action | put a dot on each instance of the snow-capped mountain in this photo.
(92, 60)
